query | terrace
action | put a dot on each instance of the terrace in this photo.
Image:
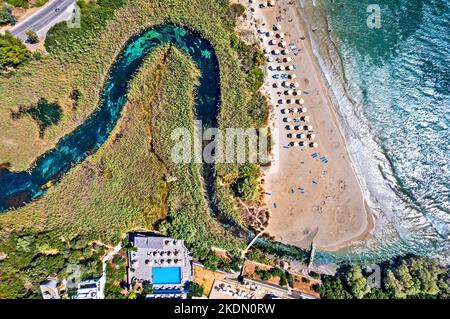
(161, 261)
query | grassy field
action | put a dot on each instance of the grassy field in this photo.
(129, 183)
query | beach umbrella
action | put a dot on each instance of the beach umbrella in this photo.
(297, 92)
(272, 68)
(286, 84)
(288, 101)
(287, 59)
(301, 136)
(270, 59)
(301, 101)
(288, 92)
(292, 76)
(288, 127)
(269, 34)
(289, 135)
(272, 3)
(301, 143)
(305, 118)
(291, 144)
(308, 127)
(272, 42)
(282, 44)
(276, 52)
(280, 35)
(289, 67)
(266, 50)
(313, 144)
(304, 109)
(280, 68)
(277, 27)
(295, 85)
(311, 136)
(280, 101)
(285, 51)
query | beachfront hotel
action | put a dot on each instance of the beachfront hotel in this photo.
(163, 262)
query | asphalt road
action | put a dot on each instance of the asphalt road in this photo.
(43, 19)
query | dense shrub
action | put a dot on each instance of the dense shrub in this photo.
(12, 51)
(246, 185)
(94, 17)
(404, 277)
(18, 3)
(6, 16)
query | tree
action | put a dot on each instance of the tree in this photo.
(246, 185)
(32, 37)
(195, 290)
(357, 282)
(18, 3)
(12, 51)
(6, 16)
(332, 288)
(147, 288)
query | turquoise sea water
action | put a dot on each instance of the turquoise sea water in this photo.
(391, 87)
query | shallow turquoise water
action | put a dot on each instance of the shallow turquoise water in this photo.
(397, 105)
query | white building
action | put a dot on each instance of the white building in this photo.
(91, 289)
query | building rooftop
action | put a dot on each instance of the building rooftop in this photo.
(90, 289)
(163, 262)
(50, 288)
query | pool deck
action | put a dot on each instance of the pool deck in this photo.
(151, 253)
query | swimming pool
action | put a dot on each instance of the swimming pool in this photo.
(166, 275)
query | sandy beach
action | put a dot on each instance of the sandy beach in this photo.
(311, 188)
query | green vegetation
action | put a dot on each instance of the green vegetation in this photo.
(112, 192)
(32, 37)
(273, 272)
(404, 277)
(94, 17)
(116, 277)
(19, 3)
(12, 51)
(6, 16)
(246, 186)
(29, 258)
(44, 113)
(213, 262)
(195, 290)
(40, 3)
(237, 10)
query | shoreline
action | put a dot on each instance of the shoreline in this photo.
(326, 86)
(364, 220)
(371, 216)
